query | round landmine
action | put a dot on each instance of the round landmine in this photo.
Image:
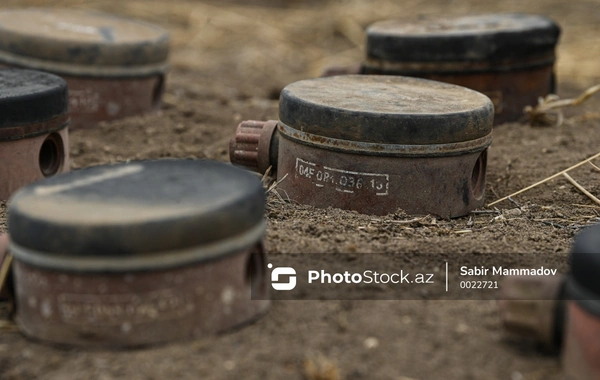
(34, 141)
(139, 253)
(375, 144)
(582, 332)
(114, 67)
(534, 307)
(508, 57)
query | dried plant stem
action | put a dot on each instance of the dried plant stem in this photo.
(460, 232)
(409, 221)
(274, 185)
(569, 102)
(545, 180)
(4, 269)
(581, 188)
(551, 104)
(594, 165)
(265, 177)
(585, 206)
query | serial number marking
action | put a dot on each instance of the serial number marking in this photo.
(84, 101)
(113, 309)
(344, 181)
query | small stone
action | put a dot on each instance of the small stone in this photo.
(27, 354)
(371, 343)
(229, 365)
(180, 128)
(461, 328)
(513, 212)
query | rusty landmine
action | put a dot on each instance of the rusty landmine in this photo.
(508, 57)
(374, 144)
(141, 253)
(33, 128)
(114, 67)
(561, 312)
(581, 348)
(534, 307)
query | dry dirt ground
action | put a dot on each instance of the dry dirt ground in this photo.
(229, 61)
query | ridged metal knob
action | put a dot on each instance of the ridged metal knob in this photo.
(251, 146)
(530, 306)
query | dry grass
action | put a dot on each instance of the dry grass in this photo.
(4, 270)
(549, 109)
(560, 173)
(549, 112)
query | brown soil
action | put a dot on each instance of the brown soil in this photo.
(229, 62)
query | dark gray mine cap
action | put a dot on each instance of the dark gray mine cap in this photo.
(470, 38)
(584, 281)
(30, 97)
(386, 110)
(121, 211)
(79, 42)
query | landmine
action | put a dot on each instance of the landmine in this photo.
(34, 141)
(114, 67)
(561, 312)
(140, 253)
(374, 144)
(508, 57)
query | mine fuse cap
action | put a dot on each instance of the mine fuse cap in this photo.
(255, 145)
(385, 110)
(138, 253)
(33, 128)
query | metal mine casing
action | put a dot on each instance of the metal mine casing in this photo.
(376, 144)
(139, 253)
(533, 306)
(34, 123)
(508, 57)
(114, 67)
(581, 350)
